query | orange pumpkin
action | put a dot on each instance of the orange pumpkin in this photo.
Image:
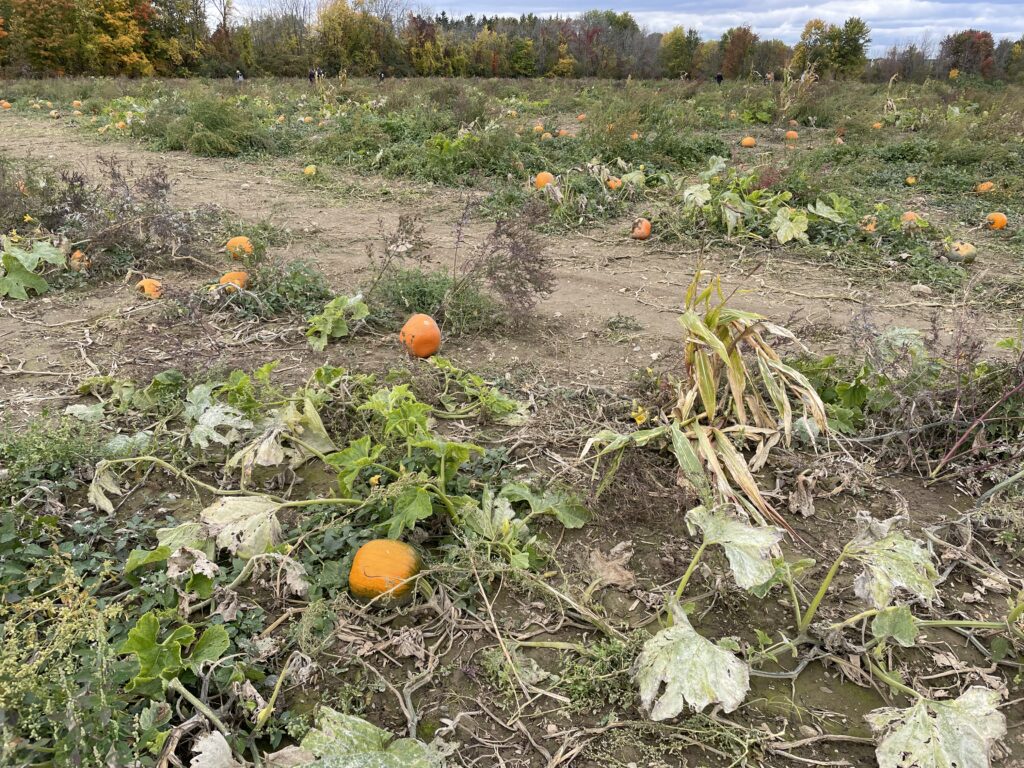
(383, 567)
(150, 287)
(76, 104)
(614, 183)
(421, 335)
(909, 217)
(792, 135)
(563, 132)
(546, 136)
(876, 126)
(963, 251)
(5, 104)
(911, 180)
(996, 220)
(238, 247)
(748, 142)
(79, 261)
(233, 281)
(641, 229)
(635, 135)
(538, 128)
(983, 187)
(543, 179)
(581, 117)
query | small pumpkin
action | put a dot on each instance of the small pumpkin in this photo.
(868, 224)
(383, 567)
(641, 229)
(538, 128)
(963, 251)
(793, 123)
(983, 187)
(614, 183)
(239, 247)
(563, 132)
(748, 141)
(911, 180)
(839, 141)
(581, 117)
(309, 170)
(77, 113)
(792, 135)
(542, 179)
(421, 335)
(996, 220)
(307, 119)
(79, 261)
(280, 119)
(76, 104)
(634, 136)
(5, 104)
(233, 281)
(54, 114)
(876, 126)
(546, 136)
(121, 125)
(909, 217)
(150, 287)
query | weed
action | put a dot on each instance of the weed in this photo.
(49, 454)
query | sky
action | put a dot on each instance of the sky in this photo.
(891, 21)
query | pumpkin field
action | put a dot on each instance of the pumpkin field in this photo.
(529, 423)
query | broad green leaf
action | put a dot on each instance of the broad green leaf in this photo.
(697, 195)
(789, 225)
(940, 734)
(691, 669)
(91, 414)
(493, 519)
(896, 622)
(748, 549)
(207, 417)
(137, 558)
(333, 320)
(346, 741)
(352, 459)
(158, 659)
(17, 280)
(557, 502)
(413, 505)
(785, 571)
(243, 525)
(890, 563)
(210, 646)
(825, 211)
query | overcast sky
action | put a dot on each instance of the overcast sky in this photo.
(891, 21)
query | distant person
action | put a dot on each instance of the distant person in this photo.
(381, 78)
(312, 75)
(239, 77)
(719, 78)
(320, 74)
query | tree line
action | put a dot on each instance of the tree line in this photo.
(366, 37)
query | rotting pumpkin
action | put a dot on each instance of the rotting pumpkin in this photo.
(240, 246)
(641, 229)
(996, 220)
(383, 567)
(233, 281)
(420, 335)
(150, 287)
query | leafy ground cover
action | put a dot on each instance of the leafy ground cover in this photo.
(743, 550)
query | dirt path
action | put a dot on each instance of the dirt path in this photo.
(601, 274)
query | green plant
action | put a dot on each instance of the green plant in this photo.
(333, 321)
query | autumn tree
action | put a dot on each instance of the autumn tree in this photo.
(678, 51)
(970, 51)
(738, 52)
(830, 49)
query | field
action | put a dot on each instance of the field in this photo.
(747, 491)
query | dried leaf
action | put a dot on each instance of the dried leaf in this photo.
(243, 525)
(748, 549)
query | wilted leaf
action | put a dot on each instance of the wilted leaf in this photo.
(896, 622)
(213, 751)
(890, 563)
(87, 413)
(207, 417)
(243, 525)
(104, 482)
(939, 734)
(557, 502)
(346, 741)
(748, 549)
(693, 670)
(193, 535)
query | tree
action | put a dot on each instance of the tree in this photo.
(971, 52)
(738, 52)
(566, 64)
(678, 51)
(850, 47)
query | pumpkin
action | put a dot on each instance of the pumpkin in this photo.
(5, 104)
(635, 135)
(538, 128)
(239, 246)
(614, 183)
(280, 119)
(641, 229)
(54, 114)
(909, 217)
(581, 117)
(77, 113)
(877, 126)
(911, 180)
(307, 120)
(983, 187)
(868, 224)
(793, 123)
(79, 261)
(963, 251)
(546, 136)
(383, 567)
(76, 104)
(792, 135)
(121, 125)
(543, 179)
(233, 281)
(748, 142)
(996, 220)
(421, 335)
(839, 141)
(309, 170)
(150, 287)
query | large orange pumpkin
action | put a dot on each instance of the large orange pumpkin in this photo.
(383, 566)
(240, 246)
(421, 335)
(150, 287)
(996, 220)
(792, 135)
(748, 142)
(641, 229)
(5, 104)
(543, 179)
(233, 281)
(983, 187)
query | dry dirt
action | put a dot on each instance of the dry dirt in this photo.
(601, 274)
